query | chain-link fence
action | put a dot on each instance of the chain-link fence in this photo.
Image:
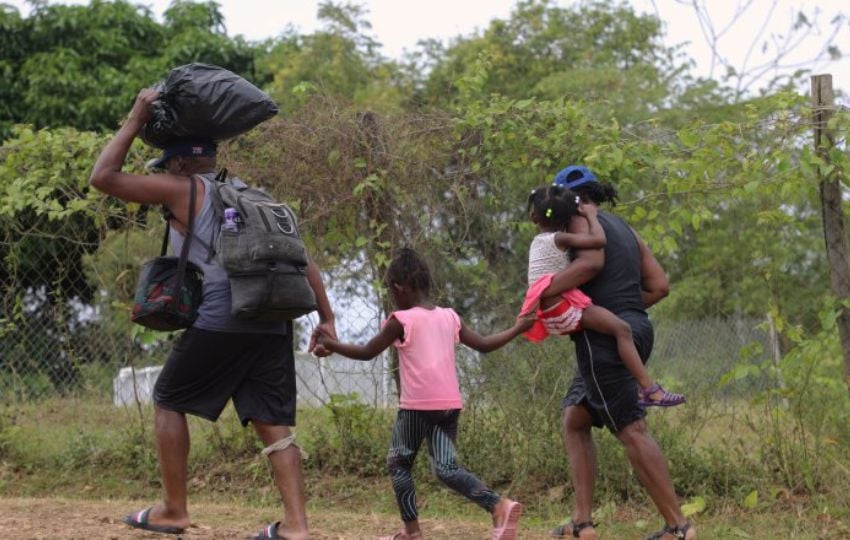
(71, 257)
(66, 331)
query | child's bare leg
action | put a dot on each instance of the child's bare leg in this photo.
(601, 320)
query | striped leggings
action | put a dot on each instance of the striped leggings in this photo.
(440, 430)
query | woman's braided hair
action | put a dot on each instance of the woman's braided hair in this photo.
(410, 269)
(598, 192)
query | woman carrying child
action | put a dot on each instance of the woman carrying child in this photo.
(552, 209)
(425, 336)
(625, 278)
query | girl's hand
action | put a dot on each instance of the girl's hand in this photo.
(531, 312)
(526, 321)
(321, 351)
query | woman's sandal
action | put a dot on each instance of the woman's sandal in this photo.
(269, 532)
(668, 399)
(573, 528)
(679, 532)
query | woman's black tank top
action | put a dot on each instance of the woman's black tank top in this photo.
(617, 286)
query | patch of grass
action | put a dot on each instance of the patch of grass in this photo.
(87, 448)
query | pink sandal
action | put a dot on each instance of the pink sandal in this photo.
(508, 529)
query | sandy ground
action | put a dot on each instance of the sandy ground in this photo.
(26, 519)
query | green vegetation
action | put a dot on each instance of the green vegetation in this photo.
(438, 150)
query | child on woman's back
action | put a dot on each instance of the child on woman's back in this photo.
(551, 209)
(425, 336)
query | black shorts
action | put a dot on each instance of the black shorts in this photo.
(602, 383)
(205, 369)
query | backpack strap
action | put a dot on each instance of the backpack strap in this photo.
(215, 196)
(217, 206)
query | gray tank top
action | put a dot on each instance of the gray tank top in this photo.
(214, 313)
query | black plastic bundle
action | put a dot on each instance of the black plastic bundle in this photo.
(205, 102)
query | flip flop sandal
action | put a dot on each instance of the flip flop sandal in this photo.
(508, 530)
(139, 520)
(679, 532)
(574, 529)
(668, 399)
(268, 533)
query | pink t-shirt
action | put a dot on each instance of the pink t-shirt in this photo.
(427, 359)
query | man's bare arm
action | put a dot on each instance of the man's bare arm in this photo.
(107, 176)
(327, 325)
(653, 280)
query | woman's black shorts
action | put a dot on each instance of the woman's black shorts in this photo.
(603, 384)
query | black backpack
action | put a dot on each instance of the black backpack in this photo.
(262, 253)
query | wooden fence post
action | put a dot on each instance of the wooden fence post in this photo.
(834, 232)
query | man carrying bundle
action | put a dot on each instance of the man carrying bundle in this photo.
(219, 357)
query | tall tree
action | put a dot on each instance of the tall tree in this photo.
(341, 59)
(600, 53)
(81, 66)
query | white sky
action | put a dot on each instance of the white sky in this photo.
(399, 24)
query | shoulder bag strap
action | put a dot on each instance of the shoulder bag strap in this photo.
(187, 240)
(164, 249)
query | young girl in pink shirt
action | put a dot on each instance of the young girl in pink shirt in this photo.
(425, 336)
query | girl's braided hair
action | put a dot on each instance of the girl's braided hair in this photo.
(554, 206)
(410, 269)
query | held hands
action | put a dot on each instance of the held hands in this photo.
(525, 321)
(141, 111)
(320, 351)
(323, 334)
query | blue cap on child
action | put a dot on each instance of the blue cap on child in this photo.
(573, 176)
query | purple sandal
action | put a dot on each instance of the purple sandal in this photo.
(668, 399)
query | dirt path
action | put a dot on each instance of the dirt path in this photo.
(66, 519)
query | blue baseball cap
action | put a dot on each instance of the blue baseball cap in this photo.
(574, 176)
(184, 148)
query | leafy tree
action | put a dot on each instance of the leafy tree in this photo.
(604, 55)
(81, 66)
(50, 221)
(341, 60)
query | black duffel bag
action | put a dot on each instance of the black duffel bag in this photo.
(207, 102)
